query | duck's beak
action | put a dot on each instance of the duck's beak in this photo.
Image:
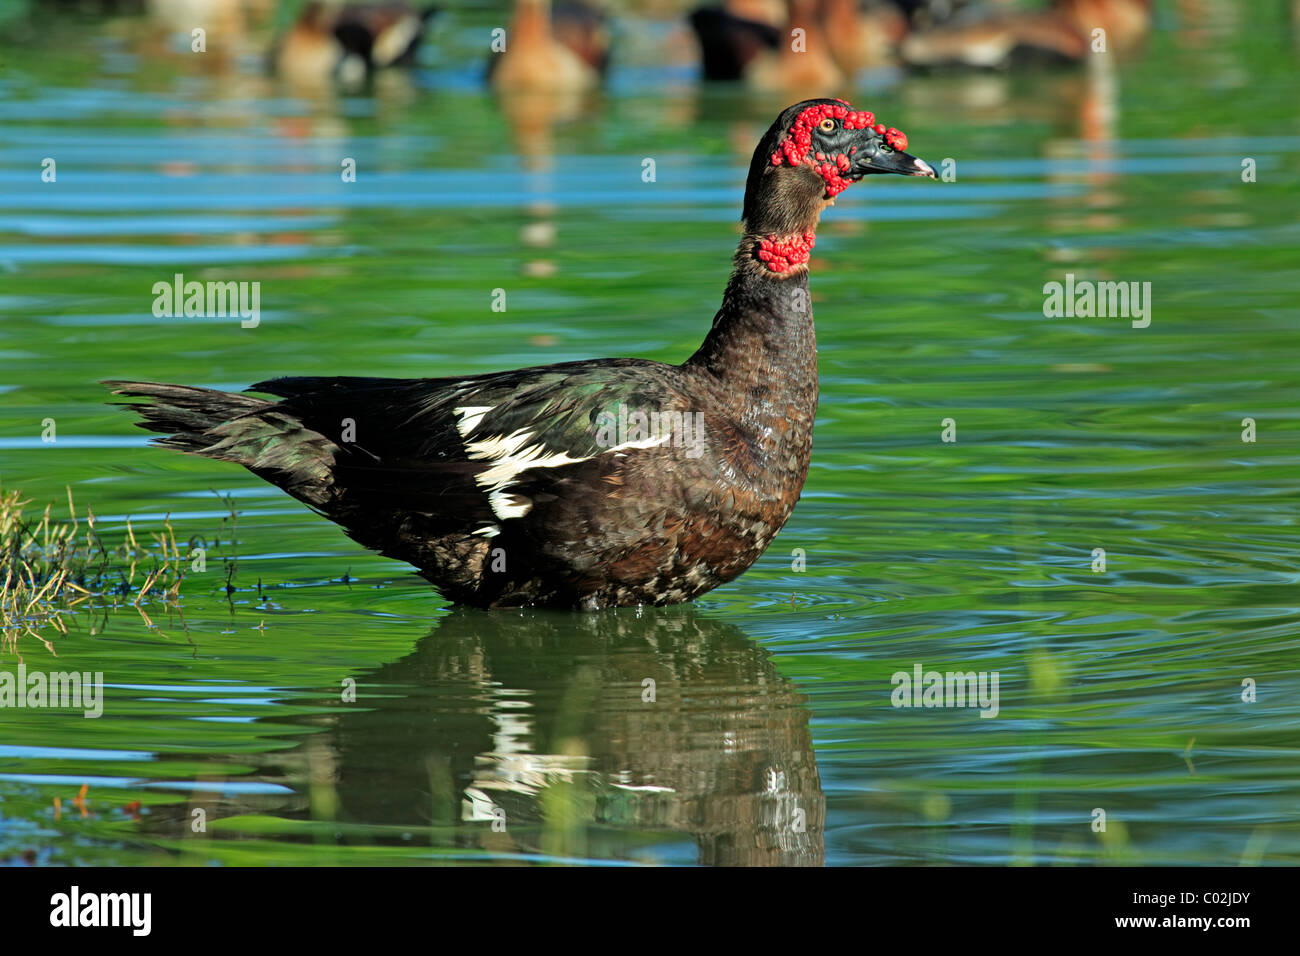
(919, 166)
(875, 157)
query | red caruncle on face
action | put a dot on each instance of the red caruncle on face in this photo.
(797, 148)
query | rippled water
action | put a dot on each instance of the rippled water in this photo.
(1119, 690)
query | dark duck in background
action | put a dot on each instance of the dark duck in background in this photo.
(733, 34)
(586, 484)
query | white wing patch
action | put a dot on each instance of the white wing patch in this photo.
(393, 42)
(510, 455)
(470, 416)
(642, 443)
(506, 505)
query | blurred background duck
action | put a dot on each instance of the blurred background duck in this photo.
(733, 34)
(863, 37)
(553, 61)
(993, 37)
(348, 42)
(841, 37)
(552, 47)
(802, 62)
(172, 30)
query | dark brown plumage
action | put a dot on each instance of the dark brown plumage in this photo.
(543, 486)
(729, 41)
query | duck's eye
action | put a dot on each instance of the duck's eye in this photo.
(826, 125)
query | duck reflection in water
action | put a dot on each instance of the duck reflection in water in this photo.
(574, 735)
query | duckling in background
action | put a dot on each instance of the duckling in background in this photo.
(997, 40)
(560, 47)
(348, 42)
(732, 35)
(802, 62)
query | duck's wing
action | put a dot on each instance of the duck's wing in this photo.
(469, 454)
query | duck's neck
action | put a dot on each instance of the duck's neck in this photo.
(758, 370)
(763, 334)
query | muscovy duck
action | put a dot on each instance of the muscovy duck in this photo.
(586, 484)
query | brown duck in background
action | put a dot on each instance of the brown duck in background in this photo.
(862, 37)
(348, 42)
(1001, 39)
(554, 60)
(552, 47)
(799, 64)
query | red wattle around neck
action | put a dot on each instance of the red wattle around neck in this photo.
(782, 253)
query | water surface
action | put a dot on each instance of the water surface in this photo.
(771, 737)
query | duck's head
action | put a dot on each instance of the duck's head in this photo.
(811, 154)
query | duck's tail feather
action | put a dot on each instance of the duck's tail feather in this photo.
(252, 432)
(185, 414)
